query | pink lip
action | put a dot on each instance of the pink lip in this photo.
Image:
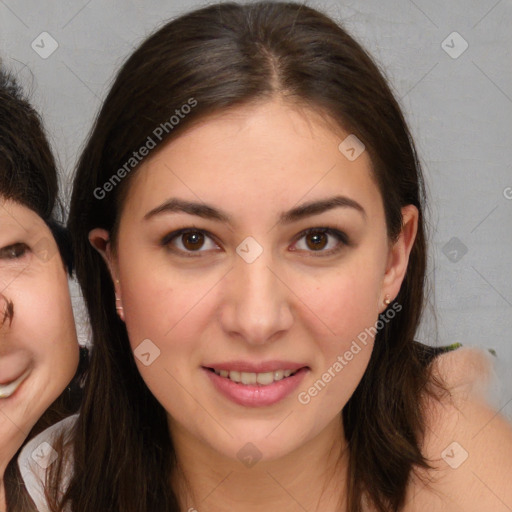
(256, 395)
(263, 367)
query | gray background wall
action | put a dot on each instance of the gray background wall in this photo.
(458, 102)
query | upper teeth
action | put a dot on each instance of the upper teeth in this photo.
(255, 378)
(7, 390)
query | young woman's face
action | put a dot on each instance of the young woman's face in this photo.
(38, 344)
(255, 293)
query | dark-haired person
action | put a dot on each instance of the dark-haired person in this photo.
(249, 233)
(39, 351)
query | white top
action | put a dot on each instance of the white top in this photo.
(38, 455)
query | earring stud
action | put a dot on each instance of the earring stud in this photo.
(387, 300)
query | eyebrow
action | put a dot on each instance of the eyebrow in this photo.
(206, 211)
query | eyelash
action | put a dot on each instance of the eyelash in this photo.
(339, 235)
(4, 251)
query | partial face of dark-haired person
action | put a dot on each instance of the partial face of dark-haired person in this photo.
(38, 342)
(234, 321)
(247, 218)
(38, 345)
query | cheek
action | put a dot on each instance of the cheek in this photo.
(344, 300)
(346, 310)
(44, 317)
(163, 317)
(165, 325)
(43, 327)
(159, 302)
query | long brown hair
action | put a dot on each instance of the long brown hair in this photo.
(28, 176)
(223, 56)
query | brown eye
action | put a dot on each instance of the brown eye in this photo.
(14, 251)
(321, 241)
(193, 240)
(316, 240)
(188, 241)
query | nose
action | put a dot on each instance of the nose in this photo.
(256, 302)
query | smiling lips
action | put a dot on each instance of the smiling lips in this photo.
(247, 378)
(6, 390)
(264, 373)
(256, 385)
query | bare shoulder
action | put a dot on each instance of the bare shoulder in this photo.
(468, 442)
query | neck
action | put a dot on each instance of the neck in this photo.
(310, 478)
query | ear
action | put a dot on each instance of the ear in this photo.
(398, 255)
(100, 239)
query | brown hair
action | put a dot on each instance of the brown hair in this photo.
(224, 56)
(28, 176)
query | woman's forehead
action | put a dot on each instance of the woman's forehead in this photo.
(271, 152)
